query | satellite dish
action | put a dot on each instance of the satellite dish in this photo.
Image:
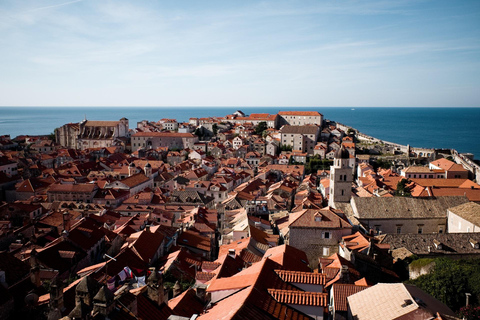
(31, 299)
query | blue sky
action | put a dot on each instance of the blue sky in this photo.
(240, 53)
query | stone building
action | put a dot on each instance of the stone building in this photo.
(300, 118)
(302, 138)
(340, 178)
(92, 134)
(82, 192)
(154, 140)
(464, 218)
(67, 135)
(404, 215)
(317, 232)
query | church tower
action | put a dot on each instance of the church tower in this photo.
(132, 169)
(340, 178)
(148, 170)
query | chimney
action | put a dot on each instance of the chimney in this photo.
(201, 291)
(35, 269)
(344, 274)
(231, 253)
(177, 289)
(66, 220)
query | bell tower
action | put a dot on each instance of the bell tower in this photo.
(341, 178)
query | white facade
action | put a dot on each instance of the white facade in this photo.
(458, 224)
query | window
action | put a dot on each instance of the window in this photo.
(342, 192)
(326, 235)
(326, 251)
(441, 229)
(399, 229)
(419, 229)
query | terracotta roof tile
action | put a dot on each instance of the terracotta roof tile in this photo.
(301, 277)
(316, 299)
(299, 113)
(340, 293)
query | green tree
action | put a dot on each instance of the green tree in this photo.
(402, 189)
(198, 132)
(450, 280)
(262, 126)
(286, 147)
(215, 129)
(381, 163)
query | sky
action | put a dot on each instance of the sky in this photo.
(240, 53)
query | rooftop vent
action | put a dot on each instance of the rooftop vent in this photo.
(474, 243)
(438, 244)
(407, 303)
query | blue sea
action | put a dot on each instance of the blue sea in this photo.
(457, 128)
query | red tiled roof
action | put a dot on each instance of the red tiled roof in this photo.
(327, 218)
(288, 257)
(204, 276)
(301, 277)
(194, 240)
(316, 299)
(135, 180)
(340, 293)
(299, 113)
(207, 265)
(147, 309)
(186, 304)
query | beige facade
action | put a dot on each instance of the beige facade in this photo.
(67, 135)
(341, 178)
(464, 218)
(302, 138)
(301, 118)
(92, 134)
(154, 140)
(404, 215)
(72, 192)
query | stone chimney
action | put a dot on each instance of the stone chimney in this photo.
(66, 220)
(103, 301)
(35, 269)
(56, 295)
(155, 289)
(201, 291)
(177, 289)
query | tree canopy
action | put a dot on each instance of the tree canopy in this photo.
(450, 280)
(402, 189)
(261, 126)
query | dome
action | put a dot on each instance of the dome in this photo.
(342, 153)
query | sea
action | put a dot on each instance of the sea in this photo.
(441, 128)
